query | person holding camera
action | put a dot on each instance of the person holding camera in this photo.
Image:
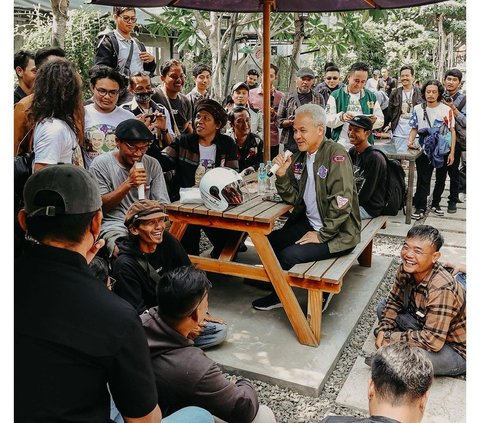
(303, 94)
(426, 305)
(435, 123)
(457, 102)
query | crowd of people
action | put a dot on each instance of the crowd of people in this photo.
(93, 220)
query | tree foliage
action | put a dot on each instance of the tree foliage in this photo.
(82, 29)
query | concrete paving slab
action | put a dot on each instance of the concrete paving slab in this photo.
(262, 344)
(446, 403)
(447, 223)
(454, 239)
(396, 226)
(454, 254)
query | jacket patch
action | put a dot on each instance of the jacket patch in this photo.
(338, 158)
(297, 170)
(322, 172)
(341, 201)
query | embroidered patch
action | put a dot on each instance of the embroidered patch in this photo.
(322, 172)
(341, 201)
(297, 170)
(338, 158)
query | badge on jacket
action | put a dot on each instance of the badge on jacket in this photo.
(297, 170)
(322, 172)
(341, 201)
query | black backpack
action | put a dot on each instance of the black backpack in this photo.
(396, 187)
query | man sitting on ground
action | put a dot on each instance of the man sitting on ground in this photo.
(147, 253)
(398, 388)
(318, 181)
(369, 166)
(184, 374)
(120, 179)
(426, 305)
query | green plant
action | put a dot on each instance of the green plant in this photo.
(83, 27)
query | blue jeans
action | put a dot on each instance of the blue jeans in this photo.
(184, 415)
(364, 214)
(446, 362)
(213, 334)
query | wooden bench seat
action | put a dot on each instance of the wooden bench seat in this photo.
(332, 271)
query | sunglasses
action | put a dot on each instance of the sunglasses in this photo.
(329, 78)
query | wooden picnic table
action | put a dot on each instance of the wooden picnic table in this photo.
(256, 217)
(391, 152)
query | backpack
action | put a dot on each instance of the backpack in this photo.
(460, 130)
(396, 187)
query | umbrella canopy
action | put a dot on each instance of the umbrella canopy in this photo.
(253, 6)
(266, 6)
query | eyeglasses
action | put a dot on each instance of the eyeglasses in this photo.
(329, 78)
(134, 148)
(128, 19)
(103, 92)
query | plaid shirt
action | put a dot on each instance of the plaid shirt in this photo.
(287, 108)
(439, 298)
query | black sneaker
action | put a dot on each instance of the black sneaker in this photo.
(437, 210)
(452, 208)
(327, 297)
(269, 302)
(418, 214)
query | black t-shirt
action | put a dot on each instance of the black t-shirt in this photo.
(133, 281)
(372, 177)
(181, 108)
(18, 94)
(72, 337)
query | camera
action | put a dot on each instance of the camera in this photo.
(447, 98)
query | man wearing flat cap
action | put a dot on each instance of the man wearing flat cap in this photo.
(121, 179)
(303, 94)
(369, 167)
(67, 340)
(240, 97)
(146, 254)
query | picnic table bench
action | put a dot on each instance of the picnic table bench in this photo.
(257, 217)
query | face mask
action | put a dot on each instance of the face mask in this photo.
(143, 98)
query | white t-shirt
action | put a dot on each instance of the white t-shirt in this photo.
(207, 155)
(354, 107)
(54, 142)
(437, 115)
(100, 129)
(372, 84)
(310, 196)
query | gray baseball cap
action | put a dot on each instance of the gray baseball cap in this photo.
(305, 72)
(60, 190)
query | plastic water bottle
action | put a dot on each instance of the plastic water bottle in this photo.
(141, 188)
(270, 181)
(262, 179)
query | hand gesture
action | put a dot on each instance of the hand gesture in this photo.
(283, 162)
(146, 57)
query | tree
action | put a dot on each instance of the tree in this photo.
(60, 17)
(80, 40)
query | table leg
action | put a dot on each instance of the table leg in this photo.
(289, 301)
(411, 176)
(177, 229)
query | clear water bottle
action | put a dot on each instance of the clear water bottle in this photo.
(262, 179)
(270, 181)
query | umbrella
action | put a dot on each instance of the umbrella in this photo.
(266, 6)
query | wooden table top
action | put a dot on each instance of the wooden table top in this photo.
(256, 209)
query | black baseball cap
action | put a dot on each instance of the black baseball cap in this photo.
(361, 121)
(76, 187)
(133, 130)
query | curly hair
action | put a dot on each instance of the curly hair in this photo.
(433, 82)
(58, 93)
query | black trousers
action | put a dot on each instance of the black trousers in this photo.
(424, 177)
(441, 176)
(289, 254)
(191, 239)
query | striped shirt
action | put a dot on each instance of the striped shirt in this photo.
(437, 303)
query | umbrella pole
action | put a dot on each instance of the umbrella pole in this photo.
(267, 6)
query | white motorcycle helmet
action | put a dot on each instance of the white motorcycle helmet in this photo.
(221, 187)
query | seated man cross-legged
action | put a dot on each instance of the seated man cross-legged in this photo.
(184, 375)
(318, 181)
(426, 305)
(145, 254)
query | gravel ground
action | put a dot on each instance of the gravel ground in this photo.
(290, 406)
